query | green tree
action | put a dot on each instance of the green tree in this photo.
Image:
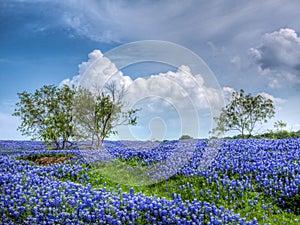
(279, 125)
(243, 113)
(47, 114)
(96, 116)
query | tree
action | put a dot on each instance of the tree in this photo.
(47, 114)
(96, 115)
(279, 125)
(243, 113)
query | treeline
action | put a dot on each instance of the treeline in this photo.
(272, 135)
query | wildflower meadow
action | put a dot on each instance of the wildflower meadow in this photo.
(253, 181)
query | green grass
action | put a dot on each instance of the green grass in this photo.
(129, 173)
(117, 177)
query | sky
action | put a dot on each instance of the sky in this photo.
(250, 45)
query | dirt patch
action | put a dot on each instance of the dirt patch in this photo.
(50, 160)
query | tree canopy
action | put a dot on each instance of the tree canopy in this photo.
(47, 114)
(96, 116)
(244, 113)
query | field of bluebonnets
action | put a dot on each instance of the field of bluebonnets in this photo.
(252, 181)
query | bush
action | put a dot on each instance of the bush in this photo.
(185, 137)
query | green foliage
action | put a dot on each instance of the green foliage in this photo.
(56, 115)
(97, 115)
(243, 113)
(185, 137)
(279, 125)
(279, 135)
(199, 188)
(47, 114)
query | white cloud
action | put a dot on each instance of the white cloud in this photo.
(180, 91)
(236, 60)
(271, 97)
(228, 91)
(96, 72)
(278, 57)
(178, 85)
(191, 20)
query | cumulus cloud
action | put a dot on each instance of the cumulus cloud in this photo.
(180, 91)
(97, 72)
(278, 57)
(180, 84)
(271, 97)
(178, 99)
(228, 91)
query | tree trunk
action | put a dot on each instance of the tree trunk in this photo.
(56, 144)
(243, 135)
(65, 144)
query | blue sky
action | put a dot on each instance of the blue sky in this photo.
(254, 45)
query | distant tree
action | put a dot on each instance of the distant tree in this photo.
(243, 113)
(47, 114)
(279, 125)
(96, 115)
(185, 137)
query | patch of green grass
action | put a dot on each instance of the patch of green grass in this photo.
(117, 177)
(131, 174)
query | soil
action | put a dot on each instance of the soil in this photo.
(49, 160)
